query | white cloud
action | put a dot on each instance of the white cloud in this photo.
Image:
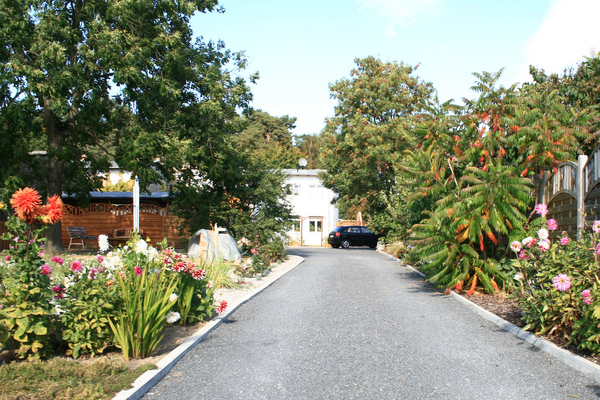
(398, 12)
(569, 33)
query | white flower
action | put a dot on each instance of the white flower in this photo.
(543, 234)
(516, 246)
(153, 254)
(544, 245)
(172, 317)
(103, 244)
(527, 240)
(209, 284)
(141, 246)
(518, 276)
(173, 298)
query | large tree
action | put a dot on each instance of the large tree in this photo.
(115, 79)
(269, 140)
(370, 129)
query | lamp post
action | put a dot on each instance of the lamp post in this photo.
(136, 205)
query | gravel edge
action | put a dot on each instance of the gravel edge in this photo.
(234, 298)
(587, 368)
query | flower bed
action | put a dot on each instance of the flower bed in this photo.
(122, 298)
(556, 283)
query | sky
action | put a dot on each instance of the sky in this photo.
(300, 47)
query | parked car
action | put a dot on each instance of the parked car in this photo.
(346, 236)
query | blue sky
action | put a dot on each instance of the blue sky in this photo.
(299, 47)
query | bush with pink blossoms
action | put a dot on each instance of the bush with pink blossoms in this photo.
(26, 312)
(89, 298)
(557, 289)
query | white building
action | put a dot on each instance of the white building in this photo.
(311, 202)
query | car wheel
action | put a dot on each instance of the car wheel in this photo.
(373, 245)
(345, 243)
(335, 246)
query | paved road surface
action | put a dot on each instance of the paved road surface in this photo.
(353, 324)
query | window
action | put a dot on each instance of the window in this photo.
(315, 225)
(296, 226)
(315, 191)
(295, 189)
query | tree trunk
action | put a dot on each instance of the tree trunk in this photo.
(54, 174)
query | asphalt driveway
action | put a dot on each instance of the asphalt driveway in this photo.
(353, 324)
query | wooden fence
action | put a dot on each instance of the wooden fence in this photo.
(101, 219)
(572, 193)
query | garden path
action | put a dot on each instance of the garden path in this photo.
(354, 324)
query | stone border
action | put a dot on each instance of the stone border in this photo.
(148, 379)
(586, 367)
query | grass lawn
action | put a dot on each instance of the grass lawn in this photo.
(61, 378)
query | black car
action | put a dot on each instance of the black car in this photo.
(347, 236)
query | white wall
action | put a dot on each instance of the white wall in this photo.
(312, 203)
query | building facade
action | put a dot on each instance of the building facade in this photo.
(311, 203)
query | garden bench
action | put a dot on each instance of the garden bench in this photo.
(123, 235)
(79, 233)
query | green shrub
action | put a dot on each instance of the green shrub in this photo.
(557, 286)
(147, 290)
(87, 298)
(25, 296)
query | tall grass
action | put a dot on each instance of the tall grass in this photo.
(221, 273)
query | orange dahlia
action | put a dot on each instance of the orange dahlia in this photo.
(55, 208)
(26, 202)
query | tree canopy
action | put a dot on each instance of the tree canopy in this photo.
(368, 132)
(93, 81)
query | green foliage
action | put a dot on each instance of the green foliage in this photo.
(372, 125)
(195, 293)
(61, 65)
(268, 140)
(310, 149)
(90, 300)
(219, 273)
(146, 289)
(26, 315)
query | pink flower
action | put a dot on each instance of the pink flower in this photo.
(76, 266)
(100, 258)
(138, 271)
(552, 224)
(516, 246)
(60, 292)
(180, 266)
(596, 226)
(221, 306)
(544, 245)
(562, 282)
(587, 296)
(45, 269)
(598, 249)
(57, 260)
(564, 241)
(7, 259)
(541, 209)
(198, 274)
(522, 255)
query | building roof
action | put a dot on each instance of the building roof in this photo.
(302, 172)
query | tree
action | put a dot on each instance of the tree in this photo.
(310, 148)
(61, 63)
(270, 139)
(370, 129)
